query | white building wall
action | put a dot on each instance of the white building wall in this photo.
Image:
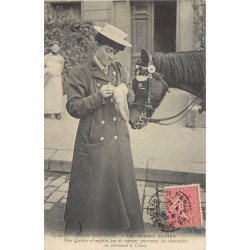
(122, 20)
(184, 25)
(97, 11)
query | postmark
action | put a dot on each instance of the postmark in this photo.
(183, 206)
(156, 210)
(176, 207)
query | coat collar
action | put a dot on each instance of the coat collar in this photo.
(98, 73)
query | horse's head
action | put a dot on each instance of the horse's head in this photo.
(183, 70)
(149, 88)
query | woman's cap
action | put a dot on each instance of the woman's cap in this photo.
(114, 34)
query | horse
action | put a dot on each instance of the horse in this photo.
(155, 74)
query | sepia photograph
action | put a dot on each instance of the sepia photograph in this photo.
(125, 124)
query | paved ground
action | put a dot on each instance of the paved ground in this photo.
(56, 186)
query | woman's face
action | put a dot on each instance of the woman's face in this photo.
(106, 54)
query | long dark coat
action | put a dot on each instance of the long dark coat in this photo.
(102, 195)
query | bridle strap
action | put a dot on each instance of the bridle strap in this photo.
(149, 90)
(158, 77)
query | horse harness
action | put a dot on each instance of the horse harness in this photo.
(142, 84)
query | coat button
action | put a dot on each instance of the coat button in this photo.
(102, 139)
(102, 122)
(112, 100)
(114, 119)
(115, 137)
(98, 85)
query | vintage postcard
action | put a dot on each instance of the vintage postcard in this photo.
(125, 124)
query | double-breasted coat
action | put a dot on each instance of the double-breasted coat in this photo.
(102, 195)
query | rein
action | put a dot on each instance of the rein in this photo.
(188, 109)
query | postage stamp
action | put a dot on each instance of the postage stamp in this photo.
(183, 206)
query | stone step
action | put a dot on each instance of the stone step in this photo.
(147, 170)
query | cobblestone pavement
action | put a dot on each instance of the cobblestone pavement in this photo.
(55, 194)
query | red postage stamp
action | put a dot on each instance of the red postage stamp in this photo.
(183, 206)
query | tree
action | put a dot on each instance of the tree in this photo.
(200, 24)
(77, 42)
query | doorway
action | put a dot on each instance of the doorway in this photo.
(153, 27)
(165, 26)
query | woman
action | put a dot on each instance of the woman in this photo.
(102, 195)
(53, 81)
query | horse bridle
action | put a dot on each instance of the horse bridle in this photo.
(147, 108)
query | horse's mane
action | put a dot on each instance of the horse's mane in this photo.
(182, 69)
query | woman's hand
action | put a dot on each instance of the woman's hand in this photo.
(107, 90)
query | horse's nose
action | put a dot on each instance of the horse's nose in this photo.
(133, 125)
(136, 126)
